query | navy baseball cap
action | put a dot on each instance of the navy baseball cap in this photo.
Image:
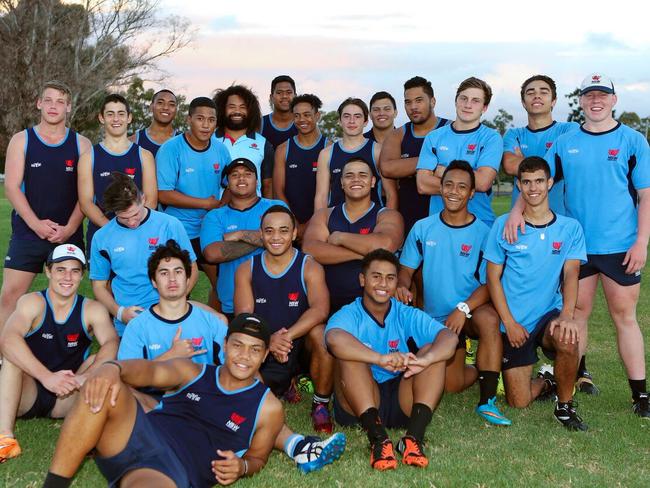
(247, 163)
(252, 325)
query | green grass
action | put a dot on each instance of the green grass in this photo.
(534, 451)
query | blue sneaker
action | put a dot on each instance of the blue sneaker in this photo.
(316, 454)
(491, 413)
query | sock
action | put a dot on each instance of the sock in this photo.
(324, 399)
(371, 423)
(55, 481)
(420, 418)
(292, 443)
(637, 387)
(487, 383)
(582, 367)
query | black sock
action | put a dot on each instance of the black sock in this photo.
(420, 418)
(582, 367)
(371, 423)
(55, 481)
(637, 387)
(487, 383)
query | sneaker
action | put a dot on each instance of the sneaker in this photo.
(317, 453)
(490, 412)
(292, 395)
(549, 393)
(382, 456)
(9, 447)
(321, 419)
(565, 413)
(641, 407)
(470, 352)
(585, 384)
(305, 384)
(412, 452)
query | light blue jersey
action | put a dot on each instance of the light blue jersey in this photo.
(194, 173)
(120, 254)
(451, 260)
(537, 142)
(149, 335)
(222, 221)
(532, 266)
(401, 324)
(602, 173)
(480, 147)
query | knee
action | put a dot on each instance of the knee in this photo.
(316, 336)
(565, 348)
(517, 402)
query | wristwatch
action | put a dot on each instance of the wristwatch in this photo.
(463, 307)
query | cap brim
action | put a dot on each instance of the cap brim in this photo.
(67, 258)
(604, 89)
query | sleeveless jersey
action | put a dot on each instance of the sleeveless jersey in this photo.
(60, 345)
(275, 135)
(280, 298)
(343, 278)
(49, 182)
(202, 417)
(300, 176)
(142, 139)
(339, 158)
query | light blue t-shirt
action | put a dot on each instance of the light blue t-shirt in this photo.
(480, 147)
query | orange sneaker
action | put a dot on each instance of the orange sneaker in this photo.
(382, 456)
(9, 448)
(412, 452)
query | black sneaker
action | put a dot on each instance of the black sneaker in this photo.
(565, 413)
(585, 384)
(641, 406)
(549, 393)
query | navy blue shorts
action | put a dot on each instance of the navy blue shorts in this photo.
(611, 266)
(277, 376)
(515, 357)
(146, 448)
(43, 405)
(30, 256)
(390, 412)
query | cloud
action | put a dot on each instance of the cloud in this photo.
(604, 41)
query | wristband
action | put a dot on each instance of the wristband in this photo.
(119, 366)
(120, 311)
(245, 467)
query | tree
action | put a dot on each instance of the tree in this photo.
(501, 122)
(140, 101)
(329, 125)
(575, 115)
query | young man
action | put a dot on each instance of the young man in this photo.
(449, 246)
(190, 168)
(121, 249)
(163, 112)
(382, 384)
(231, 234)
(296, 161)
(401, 149)
(538, 97)
(46, 344)
(114, 153)
(238, 120)
(339, 237)
(288, 289)
(41, 185)
(383, 111)
(468, 140)
(533, 284)
(353, 117)
(279, 125)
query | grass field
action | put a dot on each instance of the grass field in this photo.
(534, 452)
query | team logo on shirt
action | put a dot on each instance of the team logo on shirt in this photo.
(197, 343)
(405, 155)
(612, 154)
(193, 396)
(153, 242)
(104, 174)
(36, 165)
(471, 148)
(465, 250)
(293, 299)
(235, 421)
(314, 166)
(216, 167)
(260, 300)
(253, 146)
(130, 172)
(47, 335)
(364, 230)
(595, 79)
(73, 340)
(293, 166)
(393, 346)
(336, 170)
(548, 145)
(69, 165)
(557, 247)
(154, 347)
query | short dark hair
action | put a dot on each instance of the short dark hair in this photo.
(354, 101)
(251, 101)
(546, 79)
(379, 255)
(115, 98)
(166, 251)
(278, 209)
(474, 82)
(462, 166)
(201, 102)
(418, 81)
(532, 164)
(283, 79)
(163, 90)
(312, 100)
(358, 159)
(121, 193)
(380, 95)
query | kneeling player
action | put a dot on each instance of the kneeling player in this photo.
(381, 383)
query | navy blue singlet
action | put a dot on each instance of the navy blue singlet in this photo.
(143, 140)
(339, 158)
(276, 135)
(300, 177)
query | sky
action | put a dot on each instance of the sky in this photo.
(341, 48)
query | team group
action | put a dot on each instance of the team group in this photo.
(364, 263)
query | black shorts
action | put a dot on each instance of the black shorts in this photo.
(390, 412)
(43, 404)
(146, 448)
(30, 256)
(611, 266)
(277, 376)
(196, 246)
(515, 357)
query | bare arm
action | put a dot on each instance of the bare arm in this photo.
(318, 297)
(494, 272)
(315, 242)
(323, 179)
(636, 256)
(100, 324)
(149, 179)
(104, 296)
(427, 182)
(511, 161)
(86, 191)
(224, 251)
(388, 234)
(194, 277)
(389, 186)
(177, 199)
(484, 178)
(571, 271)
(244, 301)
(346, 347)
(390, 162)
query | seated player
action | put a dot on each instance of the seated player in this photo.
(45, 345)
(288, 289)
(533, 284)
(381, 383)
(449, 246)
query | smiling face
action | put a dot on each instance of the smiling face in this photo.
(598, 105)
(242, 182)
(470, 105)
(305, 118)
(352, 120)
(236, 113)
(382, 114)
(163, 108)
(278, 233)
(534, 187)
(64, 277)
(54, 105)
(115, 119)
(202, 122)
(357, 180)
(244, 355)
(379, 282)
(456, 190)
(538, 98)
(281, 97)
(170, 279)
(418, 105)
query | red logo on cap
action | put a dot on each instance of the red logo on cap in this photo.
(71, 248)
(364, 230)
(393, 344)
(72, 337)
(69, 163)
(548, 145)
(557, 245)
(293, 296)
(153, 241)
(129, 171)
(471, 147)
(595, 78)
(236, 418)
(613, 152)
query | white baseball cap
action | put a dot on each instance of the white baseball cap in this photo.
(597, 82)
(65, 252)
